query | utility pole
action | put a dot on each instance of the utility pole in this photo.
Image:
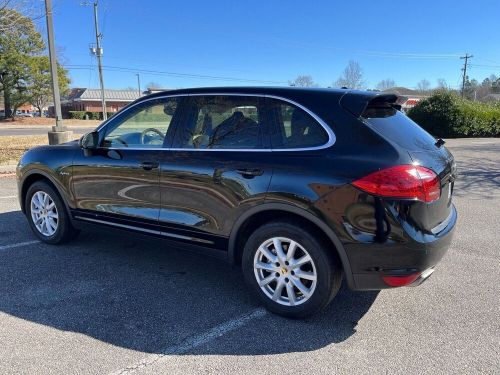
(464, 69)
(58, 133)
(98, 53)
(138, 83)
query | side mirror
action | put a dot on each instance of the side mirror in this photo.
(89, 141)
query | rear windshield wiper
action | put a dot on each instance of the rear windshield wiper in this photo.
(439, 142)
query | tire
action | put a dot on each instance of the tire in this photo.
(45, 207)
(312, 285)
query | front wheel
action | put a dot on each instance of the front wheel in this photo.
(47, 214)
(290, 270)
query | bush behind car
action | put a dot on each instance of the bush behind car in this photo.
(445, 114)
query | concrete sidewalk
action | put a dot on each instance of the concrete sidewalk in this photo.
(26, 130)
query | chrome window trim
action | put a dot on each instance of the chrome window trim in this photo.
(329, 131)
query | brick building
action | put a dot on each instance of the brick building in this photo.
(89, 100)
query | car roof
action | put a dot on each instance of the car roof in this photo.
(266, 90)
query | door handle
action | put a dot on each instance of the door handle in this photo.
(249, 173)
(149, 165)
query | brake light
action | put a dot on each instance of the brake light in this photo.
(402, 181)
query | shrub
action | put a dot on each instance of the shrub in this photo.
(445, 114)
(98, 115)
(94, 115)
(78, 115)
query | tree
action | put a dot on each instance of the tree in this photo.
(470, 88)
(386, 84)
(19, 43)
(39, 90)
(153, 85)
(442, 84)
(423, 86)
(303, 81)
(21, 8)
(495, 84)
(352, 77)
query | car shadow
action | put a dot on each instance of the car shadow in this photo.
(146, 295)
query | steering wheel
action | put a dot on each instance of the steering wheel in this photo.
(152, 130)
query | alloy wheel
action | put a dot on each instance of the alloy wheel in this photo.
(285, 271)
(44, 213)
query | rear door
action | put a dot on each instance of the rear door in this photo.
(218, 168)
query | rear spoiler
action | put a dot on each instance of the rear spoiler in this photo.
(357, 102)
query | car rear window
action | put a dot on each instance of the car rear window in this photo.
(294, 128)
(396, 126)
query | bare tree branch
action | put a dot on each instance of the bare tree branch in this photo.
(12, 11)
(423, 86)
(303, 81)
(352, 77)
(386, 84)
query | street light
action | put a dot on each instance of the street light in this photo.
(138, 83)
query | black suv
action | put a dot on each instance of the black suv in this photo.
(299, 186)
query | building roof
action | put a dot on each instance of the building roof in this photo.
(85, 94)
(407, 92)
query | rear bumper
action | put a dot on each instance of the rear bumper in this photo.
(372, 262)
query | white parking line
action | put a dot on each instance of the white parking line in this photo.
(9, 197)
(194, 342)
(7, 247)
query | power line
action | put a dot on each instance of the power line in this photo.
(485, 66)
(175, 74)
(375, 53)
(466, 59)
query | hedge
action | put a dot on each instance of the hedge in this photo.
(82, 115)
(445, 114)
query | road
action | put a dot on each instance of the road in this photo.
(111, 304)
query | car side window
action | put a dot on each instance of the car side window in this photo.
(145, 126)
(294, 127)
(221, 122)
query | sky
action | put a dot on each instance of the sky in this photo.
(194, 43)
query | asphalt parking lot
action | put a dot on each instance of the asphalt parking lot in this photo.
(119, 304)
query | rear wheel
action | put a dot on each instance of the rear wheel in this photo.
(290, 270)
(47, 214)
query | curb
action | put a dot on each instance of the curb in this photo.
(7, 170)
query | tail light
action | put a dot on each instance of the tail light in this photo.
(402, 181)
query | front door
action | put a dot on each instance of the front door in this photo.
(119, 182)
